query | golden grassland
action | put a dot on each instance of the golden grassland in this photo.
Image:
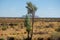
(42, 29)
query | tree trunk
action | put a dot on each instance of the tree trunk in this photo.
(28, 36)
(33, 14)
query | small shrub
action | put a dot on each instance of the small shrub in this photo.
(1, 34)
(40, 39)
(48, 38)
(58, 29)
(4, 28)
(27, 39)
(17, 33)
(55, 35)
(1, 38)
(49, 26)
(10, 38)
(14, 33)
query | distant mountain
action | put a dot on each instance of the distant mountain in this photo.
(30, 16)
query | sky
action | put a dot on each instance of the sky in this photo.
(17, 8)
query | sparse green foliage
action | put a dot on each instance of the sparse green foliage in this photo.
(4, 26)
(27, 25)
(31, 8)
(1, 38)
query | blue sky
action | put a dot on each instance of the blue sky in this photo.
(16, 8)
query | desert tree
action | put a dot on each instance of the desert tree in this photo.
(31, 10)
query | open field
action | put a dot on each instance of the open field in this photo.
(14, 27)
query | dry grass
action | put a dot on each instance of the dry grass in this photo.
(39, 26)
